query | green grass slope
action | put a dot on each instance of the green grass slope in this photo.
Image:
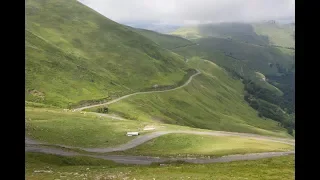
(74, 54)
(263, 34)
(56, 126)
(242, 58)
(212, 100)
(187, 145)
(279, 35)
(164, 40)
(241, 32)
(59, 167)
(85, 129)
(236, 31)
(188, 32)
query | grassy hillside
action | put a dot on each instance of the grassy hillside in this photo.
(74, 54)
(189, 32)
(278, 35)
(85, 129)
(233, 53)
(235, 31)
(263, 34)
(244, 61)
(164, 40)
(187, 145)
(212, 100)
(244, 50)
(242, 58)
(79, 167)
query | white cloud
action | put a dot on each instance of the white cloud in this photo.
(196, 11)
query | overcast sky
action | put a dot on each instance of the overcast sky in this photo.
(192, 11)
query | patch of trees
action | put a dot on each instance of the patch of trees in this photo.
(270, 65)
(229, 54)
(184, 46)
(233, 73)
(286, 83)
(104, 110)
(268, 105)
(281, 69)
(286, 101)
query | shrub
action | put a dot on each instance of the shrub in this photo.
(104, 110)
(290, 131)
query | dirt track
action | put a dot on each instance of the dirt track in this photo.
(126, 96)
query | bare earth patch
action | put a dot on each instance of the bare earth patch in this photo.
(37, 94)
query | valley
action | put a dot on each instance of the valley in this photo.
(203, 98)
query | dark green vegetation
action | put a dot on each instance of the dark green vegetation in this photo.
(234, 31)
(260, 98)
(242, 58)
(103, 110)
(74, 54)
(285, 82)
(164, 40)
(261, 54)
(58, 167)
(268, 104)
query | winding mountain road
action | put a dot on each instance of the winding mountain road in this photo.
(144, 138)
(148, 92)
(33, 146)
(146, 160)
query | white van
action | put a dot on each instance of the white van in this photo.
(132, 133)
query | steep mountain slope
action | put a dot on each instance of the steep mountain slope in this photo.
(262, 54)
(278, 34)
(235, 31)
(263, 34)
(189, 32)
(244, 59)
(213, 100)
(152, 26)
(164, 40)
(74, 54)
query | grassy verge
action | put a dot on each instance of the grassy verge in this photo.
(58, 167)
(75, 129)
(85, 129)
(187, 145)
(37, 105)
